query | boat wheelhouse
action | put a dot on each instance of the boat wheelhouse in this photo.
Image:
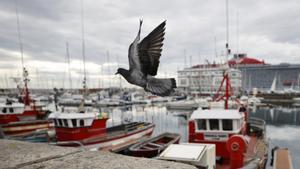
(77, 126)
(17, 119)
(216, 126)
(239, 140)
(9, 112)
(88, 129)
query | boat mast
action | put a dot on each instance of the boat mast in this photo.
(83, 51)
(19, 35)
(226, 79)
(237, 34)
(108, 70)
(26, 98)
(184, 53)
(120, 79)
(227, 54)
(69, 69)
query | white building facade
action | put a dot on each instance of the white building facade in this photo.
(206, 79)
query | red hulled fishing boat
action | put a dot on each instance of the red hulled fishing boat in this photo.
(87, 128)
(239, 140)
(18, 119)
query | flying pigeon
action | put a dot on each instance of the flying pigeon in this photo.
(144, 60)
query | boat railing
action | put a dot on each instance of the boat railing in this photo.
(257, 122)
(257, 125)
(132, 126)
(117, 130)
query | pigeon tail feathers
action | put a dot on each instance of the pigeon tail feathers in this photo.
(161, 87)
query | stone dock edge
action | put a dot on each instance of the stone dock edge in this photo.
(25, 155)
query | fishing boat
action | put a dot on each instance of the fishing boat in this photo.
(107, 102)
(182, 113)
(183, 105)
(88, 129)
(157, 99)
(240, 141)
(36, 136)
(24, 117)
(153, 146)
(222, 139)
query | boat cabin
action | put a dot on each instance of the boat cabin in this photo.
(11, 112)
(216, 126)
(13, 108)
(77, 126)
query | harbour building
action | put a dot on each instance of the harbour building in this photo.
(245, 74)
(285, 77)
(206, 79)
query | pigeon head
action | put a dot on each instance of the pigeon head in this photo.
(123, 72)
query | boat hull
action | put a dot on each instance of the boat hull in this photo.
(154, 146)
(25, 127)
(114, 143)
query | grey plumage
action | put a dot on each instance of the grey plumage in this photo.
(144, 60)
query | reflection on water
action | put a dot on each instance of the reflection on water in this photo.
(283, 128)
(164, 120)
(278, 115)
(283, 123)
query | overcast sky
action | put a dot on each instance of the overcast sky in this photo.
(268, 30)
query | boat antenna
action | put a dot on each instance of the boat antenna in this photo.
(83, 48)
(237, 33)
(215, 45)
(227, 33)
(184, 53)
(237, 41)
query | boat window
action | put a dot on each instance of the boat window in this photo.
(81, 123)
(66, 122)
(55, 122)
(227, 124)
(60, 122)
(4, 110)
(201, 124)
(11, 110)
(74, 122)
(214, 124)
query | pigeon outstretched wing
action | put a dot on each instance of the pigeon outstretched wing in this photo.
(144, 61)
(133, 52)
(150, 50)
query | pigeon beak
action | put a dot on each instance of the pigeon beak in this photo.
(116, 73)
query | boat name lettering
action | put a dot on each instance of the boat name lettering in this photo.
(210, 136)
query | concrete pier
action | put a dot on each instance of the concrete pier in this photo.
(17, 154)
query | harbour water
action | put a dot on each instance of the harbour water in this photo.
(283, 123)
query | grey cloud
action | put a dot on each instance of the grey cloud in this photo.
(112, 25)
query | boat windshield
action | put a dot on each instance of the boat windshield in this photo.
(214, 124)
(201, 124)
(227, 124)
